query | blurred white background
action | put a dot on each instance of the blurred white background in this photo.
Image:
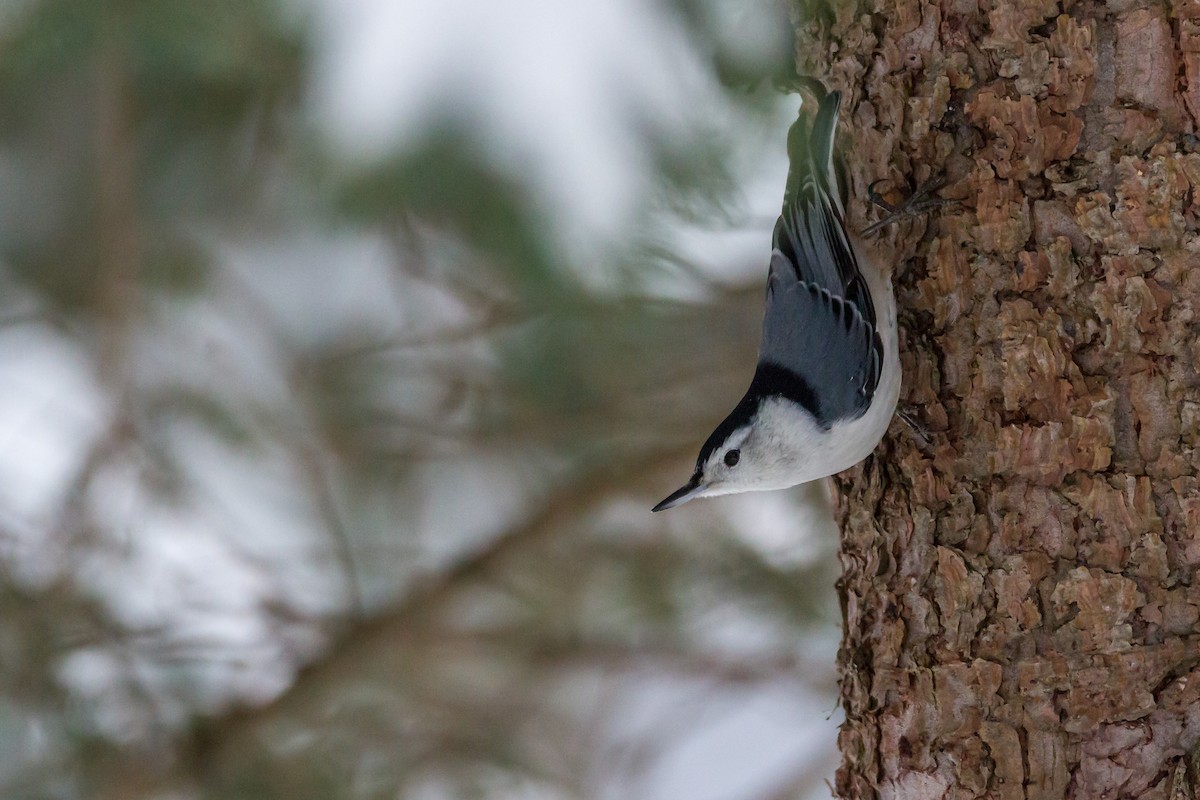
(344, 350)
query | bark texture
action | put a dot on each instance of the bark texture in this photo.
(1021, 595)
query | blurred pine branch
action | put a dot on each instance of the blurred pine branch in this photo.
(330, 477)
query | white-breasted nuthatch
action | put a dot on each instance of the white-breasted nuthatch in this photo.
(828, 375)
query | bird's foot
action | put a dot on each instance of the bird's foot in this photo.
(918, 203)
(918, 430)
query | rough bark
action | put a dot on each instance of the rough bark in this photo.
(1020, 595)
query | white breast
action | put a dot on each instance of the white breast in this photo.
(820, 453)
(848, 443)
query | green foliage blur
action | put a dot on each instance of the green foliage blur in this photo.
(423, 519)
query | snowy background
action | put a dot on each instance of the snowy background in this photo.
(344, 346)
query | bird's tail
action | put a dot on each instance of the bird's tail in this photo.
(811, 232)
(814, 167)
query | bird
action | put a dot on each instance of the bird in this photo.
(828, 375)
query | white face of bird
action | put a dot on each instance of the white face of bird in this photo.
(768, 452)
(715, 475)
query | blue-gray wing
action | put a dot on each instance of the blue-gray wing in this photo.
(820, 324)
(821, 344)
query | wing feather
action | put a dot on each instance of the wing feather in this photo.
(820, 322)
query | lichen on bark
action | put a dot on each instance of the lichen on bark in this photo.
(1020, 595)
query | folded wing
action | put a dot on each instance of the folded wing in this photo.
(819, 328)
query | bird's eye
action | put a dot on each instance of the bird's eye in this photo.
(731, 458)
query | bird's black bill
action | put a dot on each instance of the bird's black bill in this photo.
(681, 495)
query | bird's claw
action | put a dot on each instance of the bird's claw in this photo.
(914, 425)
(918, 203)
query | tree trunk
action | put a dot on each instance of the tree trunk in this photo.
(1020, 593)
